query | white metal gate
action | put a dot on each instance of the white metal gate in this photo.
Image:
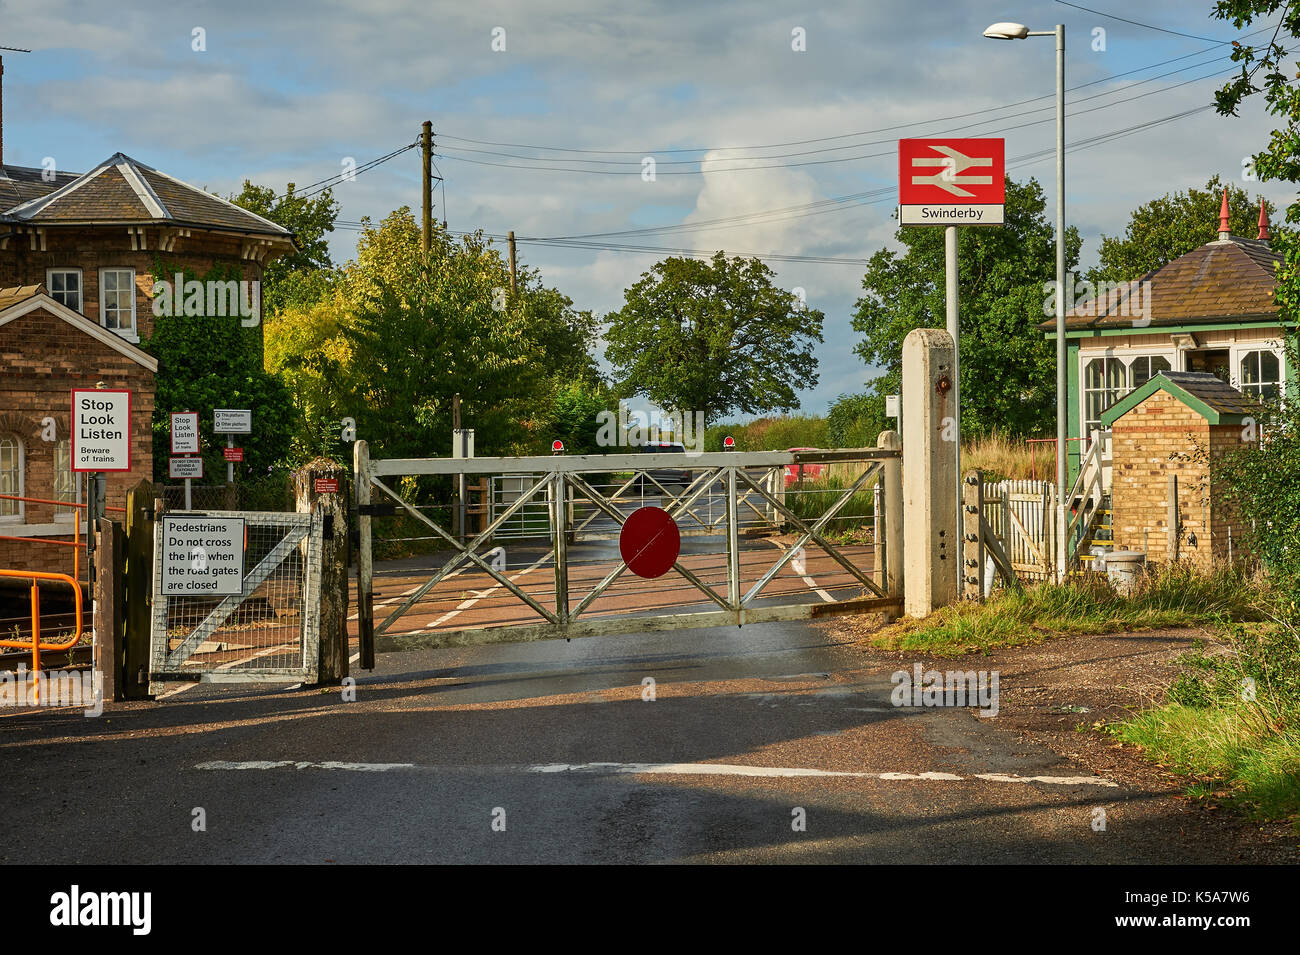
(268, 632)
(752, 548)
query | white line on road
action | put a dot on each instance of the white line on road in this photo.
(666, 769)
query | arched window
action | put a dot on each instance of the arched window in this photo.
(11, 476)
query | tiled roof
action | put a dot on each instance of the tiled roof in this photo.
(126, 191)
(20, 293)
(1205, 393)
(1230, 279)
(20, 183)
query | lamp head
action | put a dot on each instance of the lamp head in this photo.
(1007, 31)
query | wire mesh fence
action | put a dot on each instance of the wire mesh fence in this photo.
(271, 493)
(270, 628)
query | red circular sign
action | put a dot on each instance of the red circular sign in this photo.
(649, 542)
(728, 442)
(557, 445)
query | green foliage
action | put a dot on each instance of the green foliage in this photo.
(207, 362)
(305, 275)
(573, 417)
(771, 434)
(1165, 228)
(399, 334)
(1008, 365)
(855, 421)
(715, 337)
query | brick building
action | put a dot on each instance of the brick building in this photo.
(78, 256)
(1177, 425)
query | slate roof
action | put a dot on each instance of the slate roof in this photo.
(123, 190)
(1224, 280)
(1208, 395)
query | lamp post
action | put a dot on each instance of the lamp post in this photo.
(1018, 31)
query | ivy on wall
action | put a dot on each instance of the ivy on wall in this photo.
(213, 361)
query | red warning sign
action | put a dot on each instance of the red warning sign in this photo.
(649, 542)
(326, 485)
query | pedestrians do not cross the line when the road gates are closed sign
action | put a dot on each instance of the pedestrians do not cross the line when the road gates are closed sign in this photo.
(202, 555)
(951, 181)
(101, 430)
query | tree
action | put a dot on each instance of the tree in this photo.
(1008, 378)
(1165, 228)
(401, 333)
(713, 336)
(303, 276)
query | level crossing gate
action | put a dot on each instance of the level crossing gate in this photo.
(752, 547)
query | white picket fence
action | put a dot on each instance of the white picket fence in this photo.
(1020, 516)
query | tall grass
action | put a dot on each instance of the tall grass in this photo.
(1003, 458)
(809, 500)
(1167, 597)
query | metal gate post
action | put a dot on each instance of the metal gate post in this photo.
(365, 567)
(733, 547)
(559, 540)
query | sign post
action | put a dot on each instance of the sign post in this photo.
(952, 182)
(185, 440)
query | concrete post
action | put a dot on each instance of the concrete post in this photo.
(891, 483)
(931, 552)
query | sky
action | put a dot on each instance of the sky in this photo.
(545, 114)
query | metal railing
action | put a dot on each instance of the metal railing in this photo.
(77, 544)
(37, 647)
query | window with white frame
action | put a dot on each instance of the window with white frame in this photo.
(65, 480)
(1108, 378)
(64, 286)
(1261, 374)
(11, 476)
(117, 301)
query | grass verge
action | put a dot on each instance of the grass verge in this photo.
(1232, 720)
(1167, 597)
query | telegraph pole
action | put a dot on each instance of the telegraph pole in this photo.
(510, 237)
(426, 185)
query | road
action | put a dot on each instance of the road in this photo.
(771, 743)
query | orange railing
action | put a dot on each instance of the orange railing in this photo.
(35, 641)
(77, 544)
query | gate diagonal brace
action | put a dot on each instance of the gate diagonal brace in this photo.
(693, 493)
(812, 533)
(219, 614)
(465, 552)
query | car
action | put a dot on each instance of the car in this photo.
(794, 473)
(675, 480)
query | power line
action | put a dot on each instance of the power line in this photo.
(868, 132)
(1147, 26)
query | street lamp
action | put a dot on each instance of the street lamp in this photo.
(1018, 31)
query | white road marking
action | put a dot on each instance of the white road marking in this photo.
(667, 769)
(404, 593)
(812, 584)
(466, 604)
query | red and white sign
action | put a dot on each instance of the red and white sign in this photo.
(178, 468)
(951, 181)
(557, 446)
(326, 485)
(101, 429)
(729, 442)
(233, 454)
(185, 432)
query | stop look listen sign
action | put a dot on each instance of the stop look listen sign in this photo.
(101, 429)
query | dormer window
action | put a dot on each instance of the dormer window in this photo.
(64, 286)
(117, 301)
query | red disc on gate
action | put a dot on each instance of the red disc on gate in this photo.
(649, 542)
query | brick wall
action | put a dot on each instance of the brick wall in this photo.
(110, 247)
(1159, 438)
(43, 358)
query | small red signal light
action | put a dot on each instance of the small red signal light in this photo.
(557, 446)
(729, 442)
